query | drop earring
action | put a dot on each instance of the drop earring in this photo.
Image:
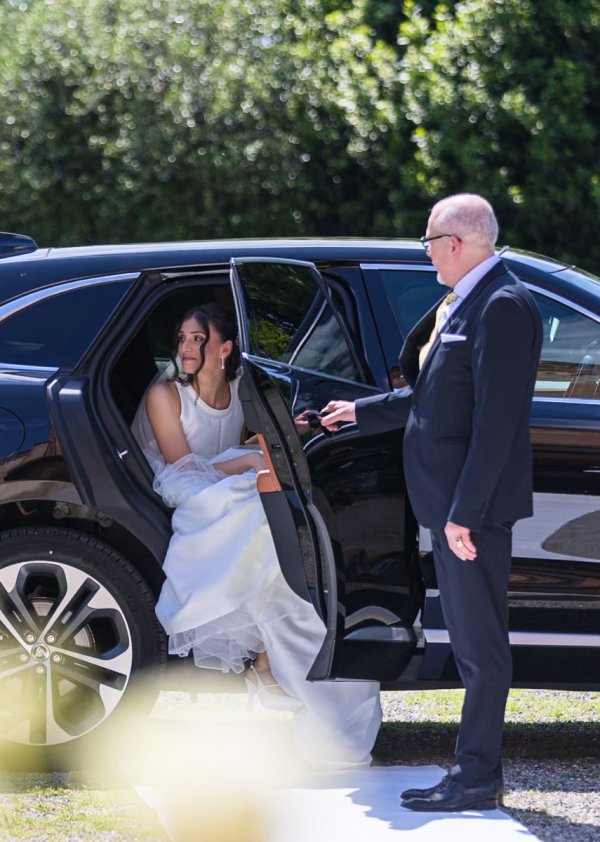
(222, 363)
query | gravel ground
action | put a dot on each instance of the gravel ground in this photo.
(558, 800)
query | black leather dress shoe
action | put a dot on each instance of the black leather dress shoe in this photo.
(451, 796)
(409, 794)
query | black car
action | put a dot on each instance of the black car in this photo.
(82, 534)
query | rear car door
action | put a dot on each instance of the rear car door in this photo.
(336, 504)
(95, 441)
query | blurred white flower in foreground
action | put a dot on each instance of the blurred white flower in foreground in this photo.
(210, 779)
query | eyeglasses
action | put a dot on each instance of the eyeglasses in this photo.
(425, 241)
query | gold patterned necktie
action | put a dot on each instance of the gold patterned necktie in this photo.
(440, 316)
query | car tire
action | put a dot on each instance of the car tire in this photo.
(78, 633)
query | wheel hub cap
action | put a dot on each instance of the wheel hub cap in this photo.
(40, 652)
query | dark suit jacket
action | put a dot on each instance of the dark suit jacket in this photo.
(467, 448)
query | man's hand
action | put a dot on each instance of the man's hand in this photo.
(459, 541)
(336, 412)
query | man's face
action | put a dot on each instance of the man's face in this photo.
(438, 249)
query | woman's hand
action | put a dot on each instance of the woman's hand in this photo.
(257, 461)
(251, 461)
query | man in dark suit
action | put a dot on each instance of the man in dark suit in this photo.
(471, 365)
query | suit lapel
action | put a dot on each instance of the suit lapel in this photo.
(409, 356)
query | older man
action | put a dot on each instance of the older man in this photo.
(471, 364)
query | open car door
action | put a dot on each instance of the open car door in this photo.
(336, 504)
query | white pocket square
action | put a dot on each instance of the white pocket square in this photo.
(452, 337)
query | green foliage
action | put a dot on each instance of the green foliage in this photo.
(503, 97)
(164, 118)
(127, 120)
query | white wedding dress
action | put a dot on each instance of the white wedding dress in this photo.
(225, 598)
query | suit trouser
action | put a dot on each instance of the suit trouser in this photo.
(475, 605)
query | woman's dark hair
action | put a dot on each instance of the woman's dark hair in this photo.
(207, 316)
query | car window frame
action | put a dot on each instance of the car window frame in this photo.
(327, 285)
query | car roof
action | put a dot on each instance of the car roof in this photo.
(46, 266)
(51, 265)
(179, 252)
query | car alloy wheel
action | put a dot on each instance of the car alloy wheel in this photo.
(71, 635)
(65, 653)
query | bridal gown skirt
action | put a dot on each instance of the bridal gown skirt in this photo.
(226, 600)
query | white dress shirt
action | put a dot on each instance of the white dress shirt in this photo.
(468, 283)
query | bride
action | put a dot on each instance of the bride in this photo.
(225, 598)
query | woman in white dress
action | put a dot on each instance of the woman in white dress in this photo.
(225, 598)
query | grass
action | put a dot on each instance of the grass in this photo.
(63, 807)
(522, 706)
(420, 727)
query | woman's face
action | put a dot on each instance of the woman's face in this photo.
(191, 339)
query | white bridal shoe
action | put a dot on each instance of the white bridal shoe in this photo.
(267, 698)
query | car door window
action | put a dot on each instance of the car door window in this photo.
(291, 321)
(400, 296)
(410, 293)
(570, 360)
(58, 328)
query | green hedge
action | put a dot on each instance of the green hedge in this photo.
(127, 120)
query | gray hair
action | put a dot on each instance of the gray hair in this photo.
(469, 216)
